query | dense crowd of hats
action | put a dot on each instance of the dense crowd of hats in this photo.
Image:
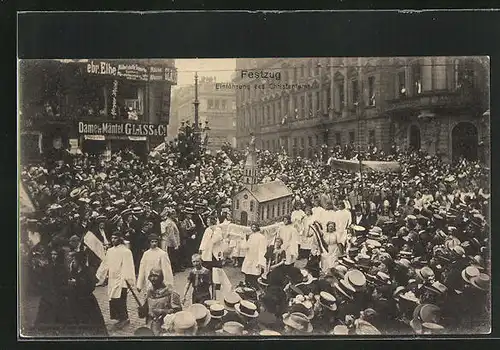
(427, 249)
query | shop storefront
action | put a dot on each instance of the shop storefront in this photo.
(107, 138)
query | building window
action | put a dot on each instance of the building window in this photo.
(302, 142)
(285, 74)
(310, 141)
(371, 91)
(341, 95)
(267, 143)
(310, 105)
(210, 104)
(216, 104)
(310, 68)
(402, 85)
(283, 208)
(328, 97)
(274, 145)
(355, 91)
(279, 209)
(317, 139)
(251, 205)
(233, 105)
(464, 74)
(223, 104)
(338, 138)
(302, 71)
(268, 207)
(287, 206)
(371, 137)
(274, 211)
(416, 71)
(237, 204)
(261, 213)
(351, 137)
(294, 74)
(294, 142)
(319, 105)
(302, 106)
(278, 112)
(268, 114)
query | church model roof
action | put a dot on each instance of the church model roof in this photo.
(269, 191)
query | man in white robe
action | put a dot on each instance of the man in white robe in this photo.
(153, 258)
(255, 260)
(118, 266)
(343, 221)
(211, 245)
(290, 237)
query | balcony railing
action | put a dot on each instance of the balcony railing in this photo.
(444, 99)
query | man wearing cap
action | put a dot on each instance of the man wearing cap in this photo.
(152, 258)
(118, 265)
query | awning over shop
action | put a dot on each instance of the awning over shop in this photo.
(366, 165)
(25, 204)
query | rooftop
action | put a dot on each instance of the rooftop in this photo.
(271, 190)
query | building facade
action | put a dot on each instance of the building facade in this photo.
(432, 103)
(217, 107)
(96, 106)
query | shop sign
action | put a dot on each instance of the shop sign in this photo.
(122, 129)
(95, 137)
(137, 72)
(156, 73)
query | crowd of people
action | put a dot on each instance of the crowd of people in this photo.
(381, 253)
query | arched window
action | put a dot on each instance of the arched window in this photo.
(237, 204)
(251, 205)
(268, 209)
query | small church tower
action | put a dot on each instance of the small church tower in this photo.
(251, 167)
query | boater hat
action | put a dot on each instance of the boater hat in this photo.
(469, 273)
(217, 311)
(201, 314)
(298, 321)
(327, 300)
(247, 308)
(230, 300)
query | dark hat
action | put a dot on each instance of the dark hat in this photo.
(153, 237)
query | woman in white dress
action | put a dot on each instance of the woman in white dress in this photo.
(329, 240)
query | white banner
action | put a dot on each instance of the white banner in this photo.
(94, 244)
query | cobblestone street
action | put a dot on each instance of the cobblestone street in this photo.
(29, 305)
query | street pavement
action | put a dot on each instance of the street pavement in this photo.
(29, 304)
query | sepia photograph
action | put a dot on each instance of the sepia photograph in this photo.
(237, 197)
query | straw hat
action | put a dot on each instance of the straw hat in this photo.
(340, 330)
(469, 273)
(247, 309)
(230, 300)
(482, 282)
(328, 301)
(184, 321)
(232, 328)
(298, 321)
(268, 333)
(217, 311)
(201, 313)
(356, 279)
